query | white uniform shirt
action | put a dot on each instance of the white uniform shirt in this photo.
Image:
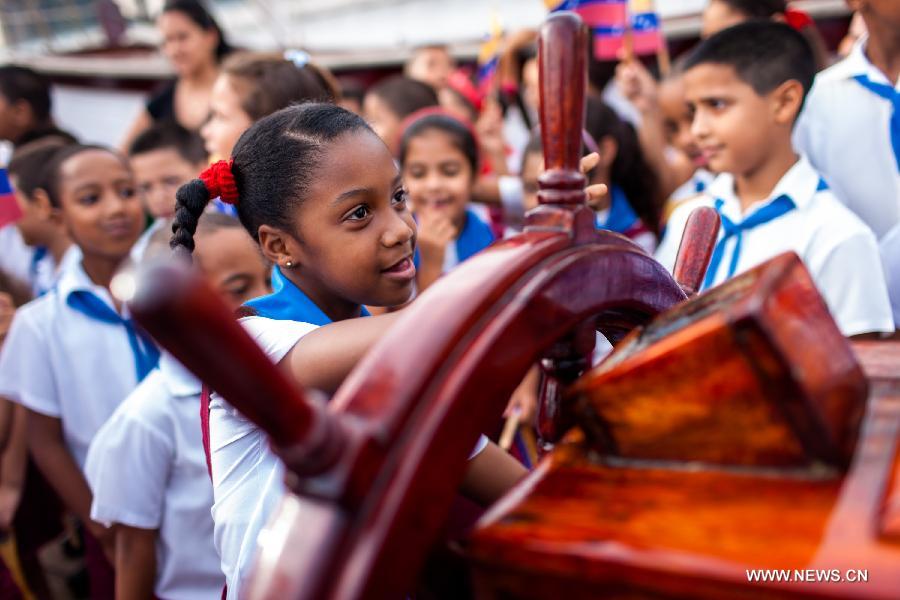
(147, 469)
(46, 272)
(248, 480)
(845, 131)
(890, 256)
(58, 362)
(838, 249)
(15, 256)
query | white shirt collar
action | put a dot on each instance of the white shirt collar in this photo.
(857, 63)
(74, 278)
(178, 380)
(800, 184)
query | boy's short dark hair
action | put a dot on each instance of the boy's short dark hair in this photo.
(28, 162)
(170, 135)
(764, 54)
(403, 95)
(21, 83)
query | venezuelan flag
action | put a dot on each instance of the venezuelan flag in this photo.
(10, 212)
(610, 19)
(489, 53)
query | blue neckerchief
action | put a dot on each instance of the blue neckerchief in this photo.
(699, 186)
(146, 355)
(771, 211)
(893, 96)
(621, 215)
(475, 237)
(289, 303)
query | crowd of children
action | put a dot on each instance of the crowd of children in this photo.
(321, 209)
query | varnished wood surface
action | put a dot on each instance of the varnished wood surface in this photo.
(584, 529)
(754, 372)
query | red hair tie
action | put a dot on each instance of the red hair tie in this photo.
(219, 181)
(797, 19)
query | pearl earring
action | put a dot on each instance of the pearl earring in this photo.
(289, 264)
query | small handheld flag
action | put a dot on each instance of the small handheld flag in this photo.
(489, 54)
(10, 212)
(617, 25)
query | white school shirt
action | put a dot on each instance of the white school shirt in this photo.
(845, 131)
(147, 469)
(15, 255)
(248, 479)
(890, 256)
(697, 184)
(46, 272)
(140, 246)
(61, 363)
(840, 252)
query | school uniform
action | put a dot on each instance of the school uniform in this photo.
(621, 218)
(16, 256)
(248, 480)
(697, 184)
(60, 362)
(802, 215)
(850, 130)
(147, 469)
(890, 257)
(44, 272)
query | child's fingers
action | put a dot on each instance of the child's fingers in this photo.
(595, 193)
(589, 162)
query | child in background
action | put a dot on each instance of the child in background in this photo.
(851, 125)
(164, 530)
(72, 356)
(439, 163)
(721, 14)
(253, 85)
(41, 225)
(319, 174)
(665, 132)
(163, 157)
(431, 64)
(25, 106)
(632, 206)
(746, 86)
(392, 100)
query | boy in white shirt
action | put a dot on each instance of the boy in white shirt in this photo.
(850, 128)
(746, 86)
(162, 520)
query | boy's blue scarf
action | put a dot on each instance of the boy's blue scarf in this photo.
(621, 216)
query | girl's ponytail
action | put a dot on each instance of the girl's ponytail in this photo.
(217, 181)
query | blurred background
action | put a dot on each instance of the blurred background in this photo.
(103, 57)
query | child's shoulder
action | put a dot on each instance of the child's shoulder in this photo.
(275, 336)
(41, 312)
(147, 407)
(832, 219)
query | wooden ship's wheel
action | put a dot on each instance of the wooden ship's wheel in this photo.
(722, 434)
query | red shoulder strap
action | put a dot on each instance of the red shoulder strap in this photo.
(204, 427)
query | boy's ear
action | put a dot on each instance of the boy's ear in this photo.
(44, 208)
(787, 99)
(279, 247)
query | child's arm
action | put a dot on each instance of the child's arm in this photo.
(47, 446)
(12, 468)
(135, 562)
(491, 473)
